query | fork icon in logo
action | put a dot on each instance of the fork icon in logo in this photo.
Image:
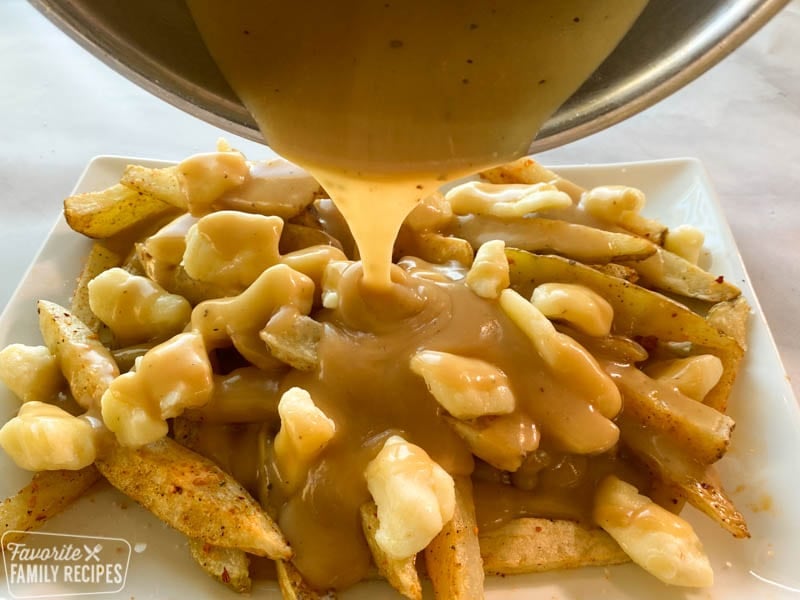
(92, 552)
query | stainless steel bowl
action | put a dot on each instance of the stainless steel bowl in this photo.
(155, 44)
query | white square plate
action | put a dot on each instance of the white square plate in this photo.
(762, 470)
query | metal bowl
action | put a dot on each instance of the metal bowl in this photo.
(155, 44)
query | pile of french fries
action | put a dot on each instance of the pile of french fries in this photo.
(596, 239)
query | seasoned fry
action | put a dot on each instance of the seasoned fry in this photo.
(621, 271)
(180, 487)
(401, 574)
(669, 272)
(100, 259)
(106, 213)
(637, 312)
(433, 247)
(229, 566)
(731, 317)
(527, 170)
(531, 545)
(275, 187)
(453, 558)
(48, 493)
(579, 242)
(164, 184)
(697, 482)
(87, 365)
(704, 433)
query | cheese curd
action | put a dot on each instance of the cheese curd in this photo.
(693, 376)
(505, 201)
(578, 305)
(44, 437)
(466, 387)
(414, 495)
(304, 433)
(657, 540)
(31, 372)
(215, 255)
(614, 203)
(135, 308)
(489, 274)
(564, 356)
(685, 241)
(168, 379)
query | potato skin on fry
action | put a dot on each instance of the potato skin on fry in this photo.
(453, 558)
(229, 566)
(48, 493)
(531, 545)
(181, 487)
(637, 312)
(87, 365)
(401, 574)
(103, 214)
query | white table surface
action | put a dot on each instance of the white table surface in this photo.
(59, 107)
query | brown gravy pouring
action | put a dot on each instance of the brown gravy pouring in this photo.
(383, 102)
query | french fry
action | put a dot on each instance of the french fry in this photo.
(453, 558)
(669, 272)
(48, 493)
(194, 496)
(527, 170)
(531, 545)
(615, 270)
(637, 312)
(703, 432)
(401, 574)
(284, 190)
(731, 317)
(293, 586)
(106, 213)
(100, 259)
(432, 247)
(164, 184)
(229, 566)
(87, 365)
(551, 236)
(697, 482)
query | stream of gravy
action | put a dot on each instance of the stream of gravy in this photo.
(383, 102)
